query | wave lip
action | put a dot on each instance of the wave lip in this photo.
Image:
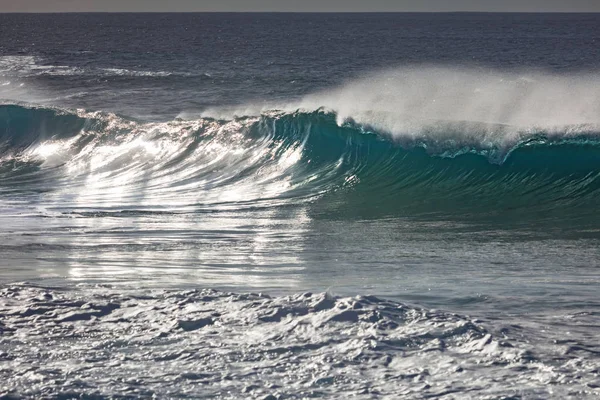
(293, 157)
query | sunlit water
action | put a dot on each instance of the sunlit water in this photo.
(246, 216)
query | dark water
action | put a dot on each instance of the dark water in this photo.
(448, 164)
(159, 65)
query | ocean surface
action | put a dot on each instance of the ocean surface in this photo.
(287, 206)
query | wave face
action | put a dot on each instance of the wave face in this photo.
(289, 157)
(446, 164)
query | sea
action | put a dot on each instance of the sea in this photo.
(294, 206)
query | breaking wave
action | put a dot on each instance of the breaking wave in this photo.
(205, 343)
(281, 157)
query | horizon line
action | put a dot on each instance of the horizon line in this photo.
(301, 12)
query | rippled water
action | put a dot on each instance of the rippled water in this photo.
(230, 206)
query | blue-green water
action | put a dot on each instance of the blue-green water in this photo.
(433, 178)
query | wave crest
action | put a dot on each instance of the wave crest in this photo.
(298, 156)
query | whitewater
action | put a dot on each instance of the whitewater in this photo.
(212, 219)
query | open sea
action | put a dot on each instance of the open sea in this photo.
(291, 206)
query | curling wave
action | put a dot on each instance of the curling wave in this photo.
(98, 160)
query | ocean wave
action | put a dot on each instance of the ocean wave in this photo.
(203, 343)
(467, 104)
(12, 64)
(296, 156)
(138, 73)
(32, 66)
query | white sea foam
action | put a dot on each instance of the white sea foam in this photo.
(26, 66)
(12, 64)
(112, 343)
(445, 102)
(127, 72)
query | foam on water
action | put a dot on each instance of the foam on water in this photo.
(461, 178)
(92, 160)
(442, 103)
(35, 66)
(92, 341)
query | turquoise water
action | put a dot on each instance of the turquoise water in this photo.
(409, 213)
